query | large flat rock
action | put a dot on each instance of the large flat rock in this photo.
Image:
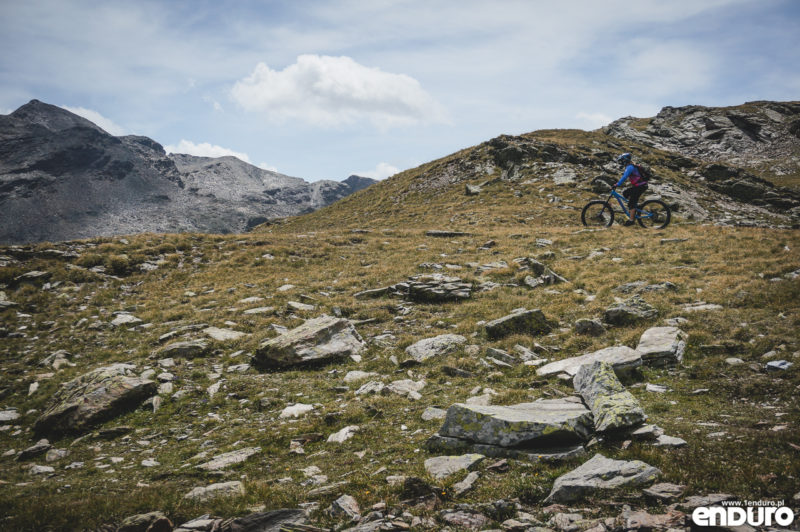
(612, 406)
(662, 346)
(601, 474)
(92, 398)
(317, 340)
(622, 358)
(533, 425)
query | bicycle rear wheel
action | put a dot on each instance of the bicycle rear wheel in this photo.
(597, 213)
(654, 214)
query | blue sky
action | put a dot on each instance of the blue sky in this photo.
(322, 89)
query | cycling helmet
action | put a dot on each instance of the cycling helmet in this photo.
(625, 158)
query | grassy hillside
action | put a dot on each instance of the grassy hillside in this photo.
(201, 279)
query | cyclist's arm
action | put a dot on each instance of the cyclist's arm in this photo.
(625, 176)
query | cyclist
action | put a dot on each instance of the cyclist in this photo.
(637, 188)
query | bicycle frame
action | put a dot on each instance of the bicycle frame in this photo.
(621, 199)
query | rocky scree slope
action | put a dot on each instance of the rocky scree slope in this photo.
(545, 178)
(762, 137)
(62, 177)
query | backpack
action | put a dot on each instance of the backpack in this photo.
(645, 172)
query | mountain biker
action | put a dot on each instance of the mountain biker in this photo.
(638, 184)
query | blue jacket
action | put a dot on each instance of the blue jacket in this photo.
(634, 175)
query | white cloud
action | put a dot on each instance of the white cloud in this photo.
(93, 116)
(331, 91)
(593, 120)
(204, 149)
(266, 166)
(382, 171)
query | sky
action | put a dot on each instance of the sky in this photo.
(322, 89)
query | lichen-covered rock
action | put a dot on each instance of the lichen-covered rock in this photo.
(539, 424)
(434, 288)
(630, 311)
(520, 321)
(622, 358)
(612, 406)
(317, 340)
(662, 346)
(92, 398)
(589, 327)
(601, 474)
(436, 346)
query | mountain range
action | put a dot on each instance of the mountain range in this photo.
(62, 177)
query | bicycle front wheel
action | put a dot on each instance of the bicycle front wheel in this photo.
(654, 214)
(597, 213)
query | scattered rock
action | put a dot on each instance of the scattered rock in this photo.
(520, 321)
(466, 519)
(589, 327)
(622, 358)
(432, 413)
(212, 491)
(600, 474)
(407, 388)
(459, 488)
(188, 349)
(345, 506)
(355, 376)
(662, 346)
(434, 288)
(149, 522)
(664, 491)
(701, 306)
(39, 448)
(274, 521)
(446, 234)
(778, 365)
(319, 339)
(436, 346)
(225, 460)
(223, 335)
(92, 398)
(343, 435)
(295, 410)
(125, 319)
(629, 312)
(440, 467)
(612, 406)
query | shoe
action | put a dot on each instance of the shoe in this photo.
(628, 222)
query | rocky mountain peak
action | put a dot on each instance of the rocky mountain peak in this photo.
(51, 117)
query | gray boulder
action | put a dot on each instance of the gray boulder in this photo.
(317, 340)
(436, 346)
(630, 311)
(543, 429)
(612, 406)
(589, 327)
(662, 346)
(92, 398)
(520, 321)
(222, 489)
(622, 358)
(601, 474)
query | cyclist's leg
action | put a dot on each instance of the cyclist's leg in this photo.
(633, 198)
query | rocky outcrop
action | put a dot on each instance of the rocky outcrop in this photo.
(62, 177)
(317, 340)
(630, 311)
(92, 398)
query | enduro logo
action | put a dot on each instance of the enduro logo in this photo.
(737, 513)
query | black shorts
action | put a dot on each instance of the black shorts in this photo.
(633, 194)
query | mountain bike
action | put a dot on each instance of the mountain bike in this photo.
(653, 214)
